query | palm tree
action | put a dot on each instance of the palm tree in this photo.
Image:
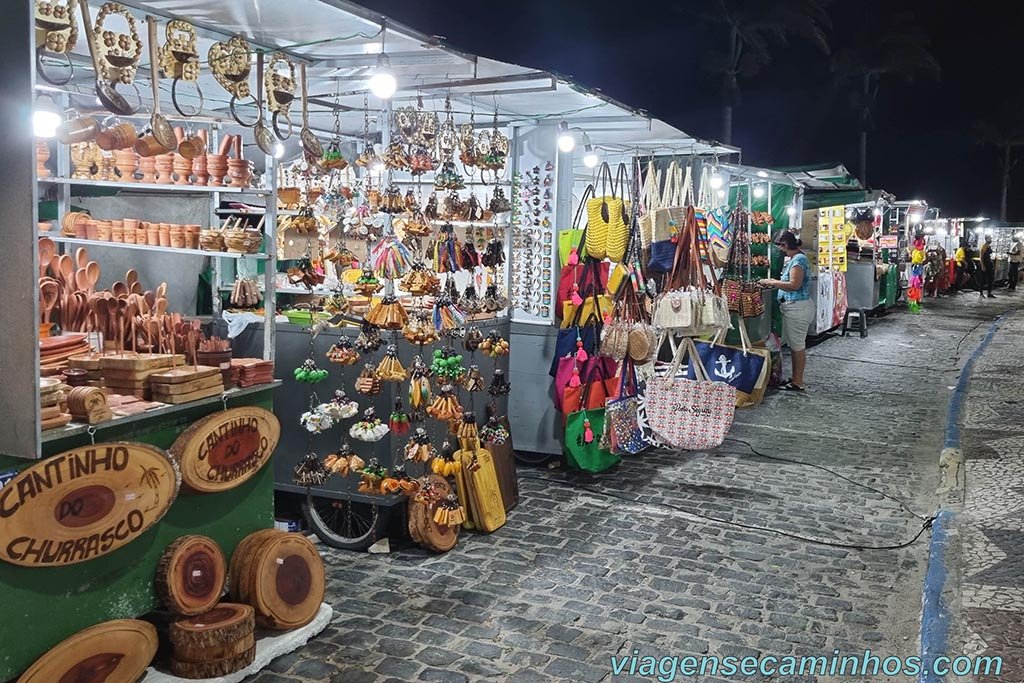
(1003, 128)
(894, 47)
(749, 30)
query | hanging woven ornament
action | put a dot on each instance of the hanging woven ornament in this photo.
(371, 477)
(447, 365)
(473, 381)
(494, 301)
(447, 251)
(420, 330)
(310, 472)
(309, 373)
(419, 448)
(344, 462)
(470, 301)
(499, 385)
(494, 254)
(370, 428)
(447, 316)
(473, 338)
(399, 421)
(342, 352)
(494, 431)
(388, 314)
(390, 258)
(369, 339)
(339, 407)
(494, 346)
(449, 512)
(467, 430)
(445, 405)
(419, 390)
(420, 281)
(316, 421)
(446, 465)
(368, 383)
(390, 368)
(367, 284)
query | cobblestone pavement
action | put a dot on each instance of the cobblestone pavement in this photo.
(589, 567)
(992, 526)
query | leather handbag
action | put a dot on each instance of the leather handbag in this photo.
(690, 414)
(744, 368)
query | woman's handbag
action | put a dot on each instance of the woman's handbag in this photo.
(746, 369)
(650, 201)
(621, 416)
(581, 445)
(669, 220)
(607, 232)
(571, 340)
(689, 414)
(598, 383)
(570, 367)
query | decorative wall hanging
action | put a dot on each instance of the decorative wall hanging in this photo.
(179, 61)
(230, 64)
(56, 34)
(279, 84)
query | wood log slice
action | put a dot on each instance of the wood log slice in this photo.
(191, 574)
(228, 622)
(85, 503)
(110, 652)
(287, 582)
(241, 559)
(209, 654)
(226, 449)
(437, 537)
(213, 668)
(414, 527)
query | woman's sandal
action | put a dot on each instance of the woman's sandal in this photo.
(789, 386)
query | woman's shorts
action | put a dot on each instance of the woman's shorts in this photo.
(797, 317)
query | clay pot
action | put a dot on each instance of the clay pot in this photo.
(104, 230)
(131, 230)
(177, 236)
(45, 226)
(91, 229)
(42, 156)
(117, 231)
(217, 167)
(240, 172)
(182, 170)
(82, 227)
(147, 165)
(164, 168)
(192, 236)
(152, 234)
(164, 234)
(126, 161)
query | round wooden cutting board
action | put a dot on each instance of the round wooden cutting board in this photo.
(84, 503)
(226, 449)
(111, 652)
(433, 536)
(191, 574)
(282, 576)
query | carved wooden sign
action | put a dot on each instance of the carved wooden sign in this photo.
(226, 449)
(84, 503)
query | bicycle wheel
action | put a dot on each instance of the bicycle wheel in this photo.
(345, 524)
(531, 458)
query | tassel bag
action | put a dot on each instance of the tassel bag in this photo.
(607, 232)
(669, 220)
(689, 414)
(742, 294)
(582, 445)
(571, 245)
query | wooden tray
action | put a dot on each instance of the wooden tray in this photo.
(208, 382)
(485, 494)
(142, 361)
(50, 344)
(185, 373)
(185, 398)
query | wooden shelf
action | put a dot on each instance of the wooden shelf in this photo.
(151, 188)
(74, 429)
(179, 251)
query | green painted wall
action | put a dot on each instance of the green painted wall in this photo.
(43, 606)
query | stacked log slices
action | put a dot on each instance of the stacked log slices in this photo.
(281, 575)
(210, 638)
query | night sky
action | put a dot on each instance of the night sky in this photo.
(647, 54)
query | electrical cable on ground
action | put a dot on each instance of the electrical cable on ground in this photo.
(926, 522)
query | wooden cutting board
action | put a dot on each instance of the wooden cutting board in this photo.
(177, 399)
(240, 560)
(49, 344)
(61, 420)
(208, 382)
(225, 449)
(110, 652)
(286, 582)
(190, 576)
(131, 361)
(187, 373)
(85, 503)
(485, 494)
(124, 383)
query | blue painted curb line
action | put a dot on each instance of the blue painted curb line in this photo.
(935, 613)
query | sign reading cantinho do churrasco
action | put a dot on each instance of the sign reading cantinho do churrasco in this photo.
(85, 503)
(225, 449)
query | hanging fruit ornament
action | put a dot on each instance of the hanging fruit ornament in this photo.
(419, 448)
(368, 383)
(310, 472)
(446, 465)
(344, 462)
(449, 511)
(494, 431)
(367, 284)
(369, 429)
(309, 373)
(390, 368)
(339, 407)
(343, 353)
(473, 381)
(494, 346)
(369, 339)
(372, 476)
(445, 405)
(473, 339)
(447, 365)
(399, 421)
(499, 385)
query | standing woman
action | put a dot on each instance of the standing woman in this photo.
(794, 287)
(988, 268)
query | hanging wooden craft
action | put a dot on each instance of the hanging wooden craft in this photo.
(179, 61)
(231, 64)
(279, 84)
(85, 503)
(56, 27)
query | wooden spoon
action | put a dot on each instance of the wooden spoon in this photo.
(150, 298)
(136, 288)
(82, 279)
(67, 269)
(132, 310)
(48, 294)
(111, 332)
(93, 269)
(161, 291)
(122, 312)
(131, 277)
(81, 257)
(47, 250)
(120, 290)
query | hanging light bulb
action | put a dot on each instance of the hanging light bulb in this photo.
(278, 150)
(590, 158)
(791, 210)
(566, 141)
(383, 83)
(758, 191)
(45, 117)
(720, 194)
(716, 181)
(762, 174)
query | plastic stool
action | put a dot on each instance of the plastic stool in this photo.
(856, 320)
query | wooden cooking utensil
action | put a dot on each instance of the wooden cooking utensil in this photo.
(136, 289)
(122, 313)
(81, 257)
(69, 312)
(111, 333)
(161, 290)
(93, 270)
(48, 294)
(47, 250)
(119, 290)
(132, 310)
(131, 277)
(82, 279)
(150, 298)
